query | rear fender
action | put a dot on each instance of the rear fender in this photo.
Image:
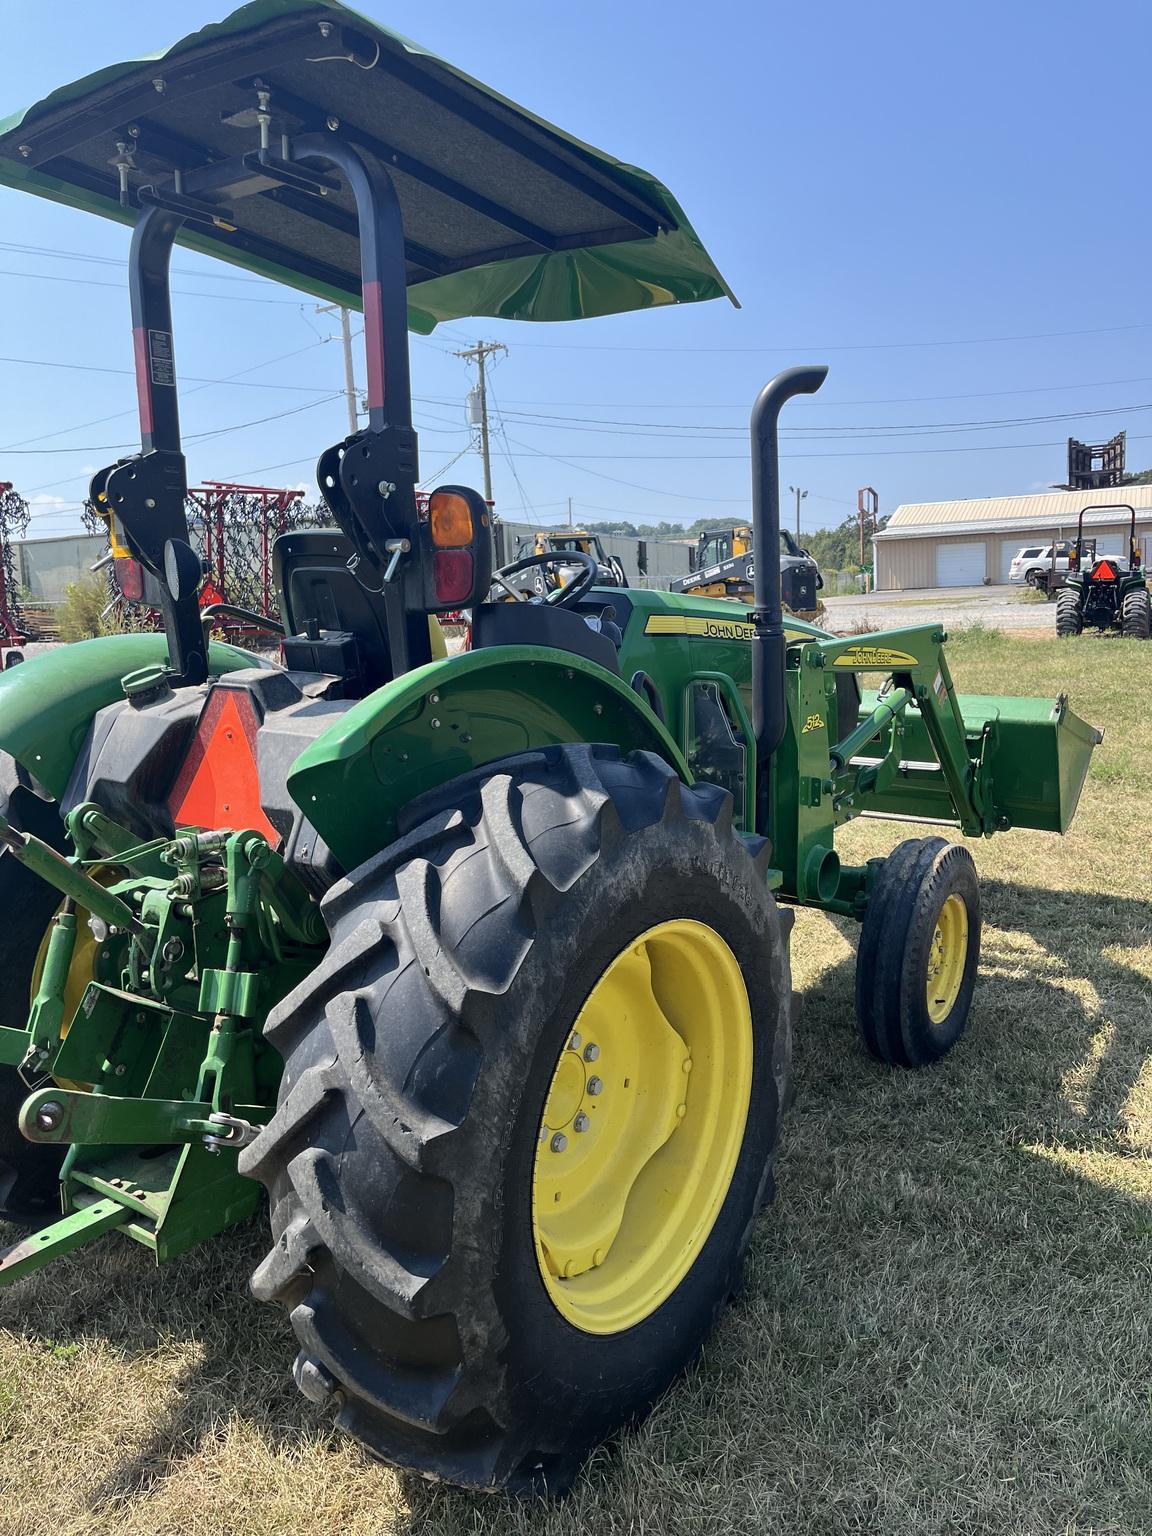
(451, 717)
(48, 704)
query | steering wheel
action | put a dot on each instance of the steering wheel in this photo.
(562, 597)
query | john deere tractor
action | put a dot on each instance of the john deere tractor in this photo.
(1103, 591)
(473, 970)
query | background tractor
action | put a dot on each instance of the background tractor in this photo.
(542, 577)
(478, 964)
(1099, 591)
(723, 565)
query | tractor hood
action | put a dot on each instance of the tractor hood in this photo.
(504, 214)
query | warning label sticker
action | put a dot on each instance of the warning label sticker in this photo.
(161, 364)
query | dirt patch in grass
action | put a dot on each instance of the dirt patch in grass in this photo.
(946, 1321)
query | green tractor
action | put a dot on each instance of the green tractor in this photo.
(477, 964)
(1099, 592)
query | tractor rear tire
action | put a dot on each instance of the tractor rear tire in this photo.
(919, 953)
(1069, 618)
(416, 1112)
(1136, 615)
(29, 1175)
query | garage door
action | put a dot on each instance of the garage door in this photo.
(961, 565)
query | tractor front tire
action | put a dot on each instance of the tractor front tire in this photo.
(491, 1049)
(919, 953)
(1069, 618)
(29, 1175)
(1136, 615)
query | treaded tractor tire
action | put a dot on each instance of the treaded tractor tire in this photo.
(417, 1062)
(1069, 619)
(896, 937)
(1136, 615)
(29, 1175)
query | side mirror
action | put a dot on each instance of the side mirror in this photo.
(455, 549)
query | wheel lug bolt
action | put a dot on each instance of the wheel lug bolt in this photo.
(595, 1086)
(598, 1257)
(574, 1043)
(591, 1051)
(681, 1111)
(687, 1067)
(581, 1122)
(558, 1142)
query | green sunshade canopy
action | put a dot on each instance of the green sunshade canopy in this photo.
(504, 214)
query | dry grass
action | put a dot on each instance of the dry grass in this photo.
(946, 1322)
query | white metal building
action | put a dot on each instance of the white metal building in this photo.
(968, 543)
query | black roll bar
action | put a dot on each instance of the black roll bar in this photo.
(369, 480)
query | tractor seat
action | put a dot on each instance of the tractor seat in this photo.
(330, 623)
(540, 624)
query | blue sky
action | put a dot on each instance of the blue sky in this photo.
(904, 191)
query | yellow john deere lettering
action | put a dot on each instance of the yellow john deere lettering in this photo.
(710, 629)
(862, 658)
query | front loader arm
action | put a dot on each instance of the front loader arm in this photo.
(917, 752)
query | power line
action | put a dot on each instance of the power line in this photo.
(703, 432)
(870, 346)
(187, 293)
(184, 378)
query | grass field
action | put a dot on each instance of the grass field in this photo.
(946, 1322)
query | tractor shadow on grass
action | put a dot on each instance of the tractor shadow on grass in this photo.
(944, 1323)
(888, 1355)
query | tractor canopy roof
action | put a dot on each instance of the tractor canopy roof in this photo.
(504, 214)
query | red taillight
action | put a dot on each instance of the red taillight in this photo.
(129, 576)
(453, 572)
(1104, 572)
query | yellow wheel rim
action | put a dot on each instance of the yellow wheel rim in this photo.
(946, 959)
(642, 1127)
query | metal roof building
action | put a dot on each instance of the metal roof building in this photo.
(968, 543)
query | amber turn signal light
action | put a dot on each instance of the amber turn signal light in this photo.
(451, 519)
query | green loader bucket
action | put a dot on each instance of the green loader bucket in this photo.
(1032, 757)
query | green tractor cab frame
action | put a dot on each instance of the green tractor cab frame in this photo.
(1098, 593)
(402, 938)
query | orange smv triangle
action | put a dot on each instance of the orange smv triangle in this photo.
(219, 786)
(1104, 572)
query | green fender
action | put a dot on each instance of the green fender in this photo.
(47, 705)
(447, 718)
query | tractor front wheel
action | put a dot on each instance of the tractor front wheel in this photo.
(1069, 618)
(919, 953)
(528, 1114)
(1136, 615)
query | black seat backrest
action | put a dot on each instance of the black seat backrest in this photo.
(541, 624)
(311, 573)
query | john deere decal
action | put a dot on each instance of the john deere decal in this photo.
(711, 629)
(863, 658)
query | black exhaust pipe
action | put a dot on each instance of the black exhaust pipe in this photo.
(768, 703)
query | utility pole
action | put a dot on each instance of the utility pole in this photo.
(349, 372)
(479, 354)
(800, 495)
(571, 524)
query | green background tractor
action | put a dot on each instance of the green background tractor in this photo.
(478, 964)
(1104, 591)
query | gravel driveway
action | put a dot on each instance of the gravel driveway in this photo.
(955, 607)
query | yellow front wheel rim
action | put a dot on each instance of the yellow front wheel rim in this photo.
(642, 1127)
(947, 957)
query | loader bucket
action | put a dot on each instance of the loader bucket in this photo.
(1031, 758)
